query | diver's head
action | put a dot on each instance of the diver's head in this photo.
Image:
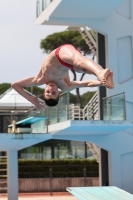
(51, 94)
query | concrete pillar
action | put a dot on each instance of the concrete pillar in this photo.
(12, 174)
(114, 169)
(100, 169)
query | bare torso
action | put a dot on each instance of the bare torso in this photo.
(53, 70)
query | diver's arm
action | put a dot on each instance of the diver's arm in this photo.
(27, 82)
(78, 84)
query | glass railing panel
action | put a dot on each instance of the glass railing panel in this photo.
(63, 108)
(37, 121)
(41, 5)
(60, 112)
(114, 107)
(35, 112)
(39, 127)
(52, 115)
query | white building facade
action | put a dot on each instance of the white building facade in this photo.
(114, 20)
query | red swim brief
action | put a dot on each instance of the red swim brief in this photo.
(61, 61)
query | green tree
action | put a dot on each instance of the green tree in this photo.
(51, 42)
(73, 99)
(4, 87)
(35, 90)
(87, 96)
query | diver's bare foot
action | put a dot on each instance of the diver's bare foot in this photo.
(103, 77)
(110, 81)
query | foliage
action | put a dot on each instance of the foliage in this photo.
(4, 87)
(73, 99)
(37, 90)
(85, 98)
(60, 167)
(51, 42)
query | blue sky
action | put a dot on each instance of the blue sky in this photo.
(20, 53)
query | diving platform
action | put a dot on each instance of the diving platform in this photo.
(84, 129)
(12, 141)
(99, 193)
(29, 120)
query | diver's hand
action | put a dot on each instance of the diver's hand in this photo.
(39, 104)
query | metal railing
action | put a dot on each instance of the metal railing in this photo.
(90, 111)
(43, 118)
(90, 38)
(75, 112)
(3, 172)
(50, 180)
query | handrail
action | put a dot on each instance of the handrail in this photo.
(94, 96)
(113, 95)
(91, 108)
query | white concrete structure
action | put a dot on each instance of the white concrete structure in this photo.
(12, 143)
(113, 19)
(107, 135)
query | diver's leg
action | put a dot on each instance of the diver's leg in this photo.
(70, 55)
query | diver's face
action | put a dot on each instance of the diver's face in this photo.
(51, 91)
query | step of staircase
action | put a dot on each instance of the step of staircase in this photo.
(2, 170)
(2, 176)
(3, 182)
(4, 188)
(3, 156)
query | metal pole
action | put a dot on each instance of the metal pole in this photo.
(47, 120)
(36, 8)
(50, 181)
(84, 173)
(67, 106)
(42, 5)
(57, 112)
(124, 108)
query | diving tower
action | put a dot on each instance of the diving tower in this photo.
(114, 20)
(56, 123)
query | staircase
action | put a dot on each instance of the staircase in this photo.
(75, 112)
(89, 36)
(3, 172)
(94, 149)
(89, 112)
